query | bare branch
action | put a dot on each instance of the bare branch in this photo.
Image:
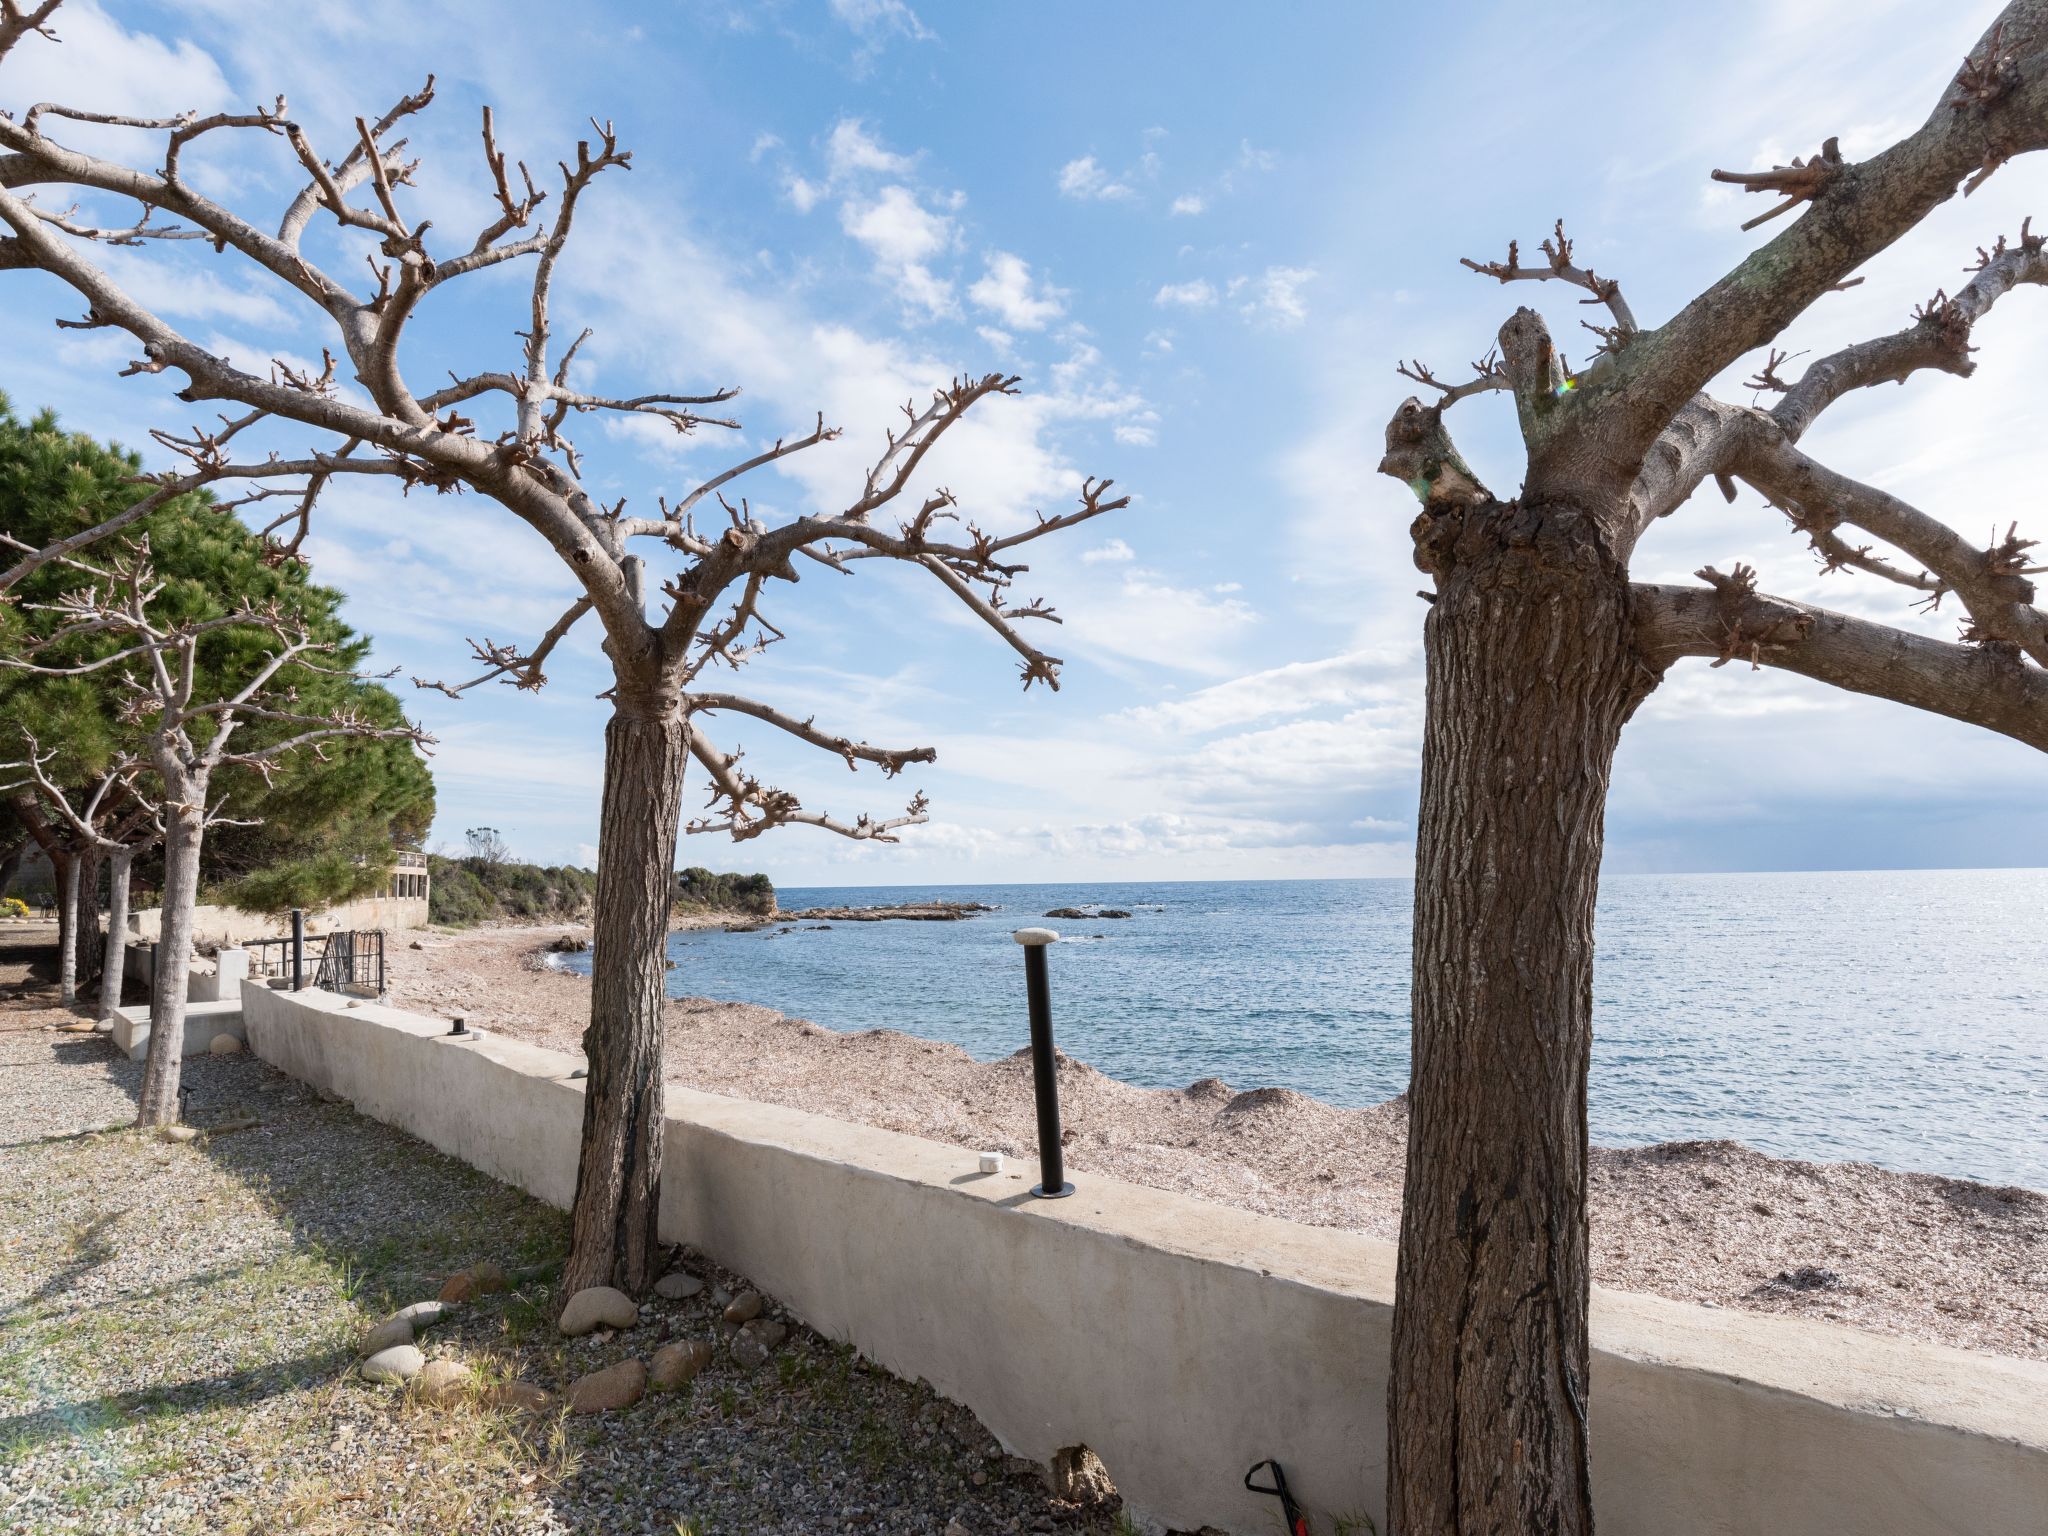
(522, 671)
(891, 760)
(1558, 250)
(1734, 621)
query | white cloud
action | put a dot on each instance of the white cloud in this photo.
(1001, 340)
(882, 16)
(1086, 180)
(1135, 435)
(1113, 550)
(1006, 289)
(1276, 296)
(1199, 293)
(804, 195)
(903, 236)
(851, 150)
(1190, 203)
(1377, 674)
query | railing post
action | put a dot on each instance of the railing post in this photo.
(1045, 1080)
(298, 950)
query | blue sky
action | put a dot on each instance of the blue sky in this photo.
(1202, 235)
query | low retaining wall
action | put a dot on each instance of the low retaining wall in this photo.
(1184, 1341)
(226, 925)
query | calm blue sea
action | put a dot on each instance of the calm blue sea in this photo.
(1895, 1017)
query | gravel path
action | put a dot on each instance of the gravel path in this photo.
(1714, 1222)
(178, 1326)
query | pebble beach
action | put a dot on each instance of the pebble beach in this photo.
(1942, 1259)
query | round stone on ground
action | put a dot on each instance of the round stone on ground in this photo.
(597, 1306)
(177, 1133)
(677, 1286)
(459, 1286)
(388, 1334)
(676, 1365)
(614, 1387)
(224, 1044)
(441, 1382)
(401, 1362)
(424, 1314)
(745, 1307)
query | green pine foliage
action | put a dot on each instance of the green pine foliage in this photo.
(328, 823)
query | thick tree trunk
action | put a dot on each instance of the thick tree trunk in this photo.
(618, 1174)
(1530, 678)
(114, 962)
(86, 962)
(66, 871)
(167, 989)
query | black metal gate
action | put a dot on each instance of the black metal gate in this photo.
(343, 961)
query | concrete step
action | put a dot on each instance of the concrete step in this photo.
(202, 1022)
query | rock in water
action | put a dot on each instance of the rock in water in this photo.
(388, 1334)
(441, 1382)
(745, 1307)
(677, 1286)
(614, 1387)
(401, 1362)
(677, 1365)
(224, 1044)
(597, 1306)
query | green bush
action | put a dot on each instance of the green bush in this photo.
(698, 890)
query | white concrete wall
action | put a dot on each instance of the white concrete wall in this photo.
(1184, 1341)
(225, 925)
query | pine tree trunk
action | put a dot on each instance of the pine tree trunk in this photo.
(86, 960)
(67, 928)
(618, 1174)
(114, 964)
(167, 988)
(1530, 678)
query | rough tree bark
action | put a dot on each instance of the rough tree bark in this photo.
(184, 828)
(618, 1171)
(66, 870)
(1531, 673)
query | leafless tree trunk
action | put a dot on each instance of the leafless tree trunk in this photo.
(114, 965)
(1539, 646)
(67, 929)
(533, 470)
(618, 1173)
(184, 829)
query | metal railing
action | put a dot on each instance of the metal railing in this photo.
(345, 961)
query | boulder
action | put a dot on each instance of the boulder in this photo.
(424, 1314)
(744, 1307)
(597, 1306)
(388, 1334)
(677, 1365)
(677, 1285)
(401, 1362)
(442, 1382)
(614, 1387)
(224, 1044)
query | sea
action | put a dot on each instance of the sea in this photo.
(1892, 1017)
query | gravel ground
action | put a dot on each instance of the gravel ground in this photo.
(1714, 1222)
(177, 1330)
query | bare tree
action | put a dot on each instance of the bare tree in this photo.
(1539, 647)
(119, 820)
(184, 739)
(487, 845)
(531, 469)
